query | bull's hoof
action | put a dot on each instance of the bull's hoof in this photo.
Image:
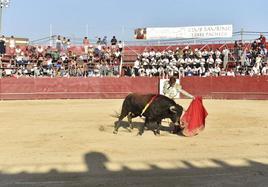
(156, 133)
(115, 132)
(139, 134)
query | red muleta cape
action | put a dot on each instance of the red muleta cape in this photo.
(194, 118)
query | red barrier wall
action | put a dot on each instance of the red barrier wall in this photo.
(227, 87)
(75, 88)
(114, 88)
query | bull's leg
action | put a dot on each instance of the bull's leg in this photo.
(118, 123)
(158, 127)
(156, 130)
(129, 118)
(141, 129)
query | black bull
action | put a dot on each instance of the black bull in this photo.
(161, 107)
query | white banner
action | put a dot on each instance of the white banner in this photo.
(213, 31)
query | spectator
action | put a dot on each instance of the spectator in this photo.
(68, 43)
(40, 51)
(98, 42)
(104, 40)
(225, 54)
(113, 41)
(264, 70)
(58, 44)
(12, 45)
(231, 73)
(64, 44)
(262, 40)
(210, 60)
(2, 45)
(218, 61)
(86, 45)
(120, 46)
(17, 50)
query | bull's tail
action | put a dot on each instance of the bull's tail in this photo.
(115, 115)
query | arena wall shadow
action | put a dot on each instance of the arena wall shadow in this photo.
(97, 174)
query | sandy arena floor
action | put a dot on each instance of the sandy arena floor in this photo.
(70, 143)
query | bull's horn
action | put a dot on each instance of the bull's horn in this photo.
(173, 109)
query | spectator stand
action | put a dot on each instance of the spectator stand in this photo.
(105, 60)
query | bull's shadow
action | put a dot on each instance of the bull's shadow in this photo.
(168, 127)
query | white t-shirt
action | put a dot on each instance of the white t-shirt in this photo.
(218, 61)
(12, 43)
(210, 60)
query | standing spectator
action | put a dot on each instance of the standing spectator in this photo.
(113, 41)
(12, 45)
(225, 53)
(120, 46)
(1, 66)
(98, 41)
(2, 45)
(68, 43)
(64, 43)
(262, 41)
(58, 43)
(104, 40)
(86, 44)
(254, 46)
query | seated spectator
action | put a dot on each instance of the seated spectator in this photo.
(40, 51)
(218, 61)
(202, 70)
(17, 50)
(256, 70)
(217, 53)
(210, 60)
(264, 70)
(188, 71)
(205, 54)
(188, 61)
(230, 73)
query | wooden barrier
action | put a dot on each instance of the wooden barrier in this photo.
(243, 87)
(75, 88)
(117, 88)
